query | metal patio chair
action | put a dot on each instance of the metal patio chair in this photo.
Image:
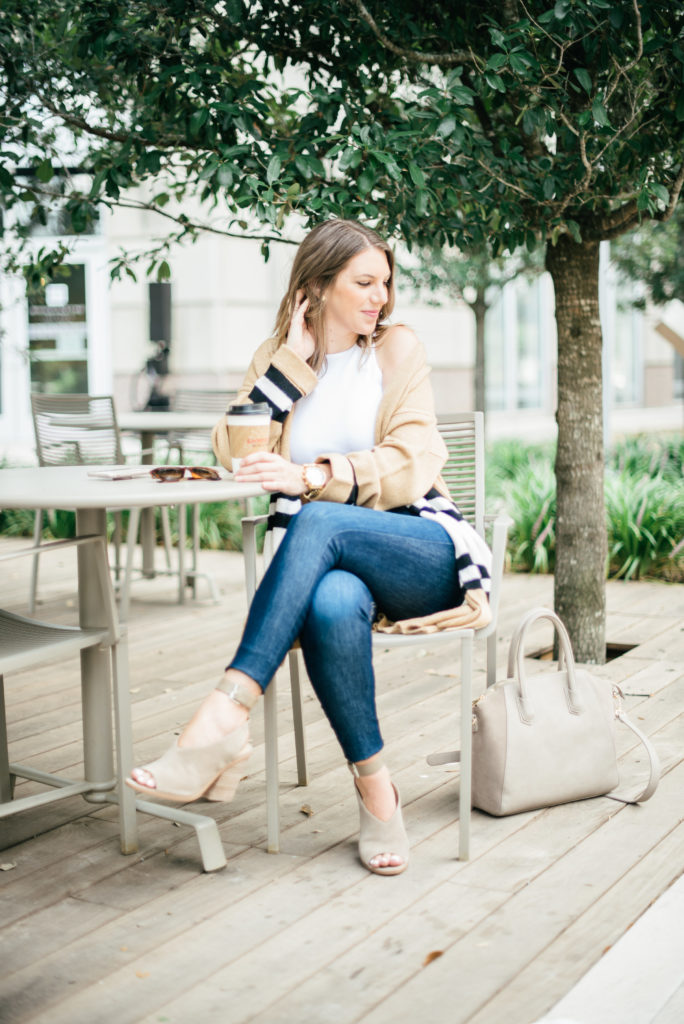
(28, 643)
(463, 434)
(80, 429)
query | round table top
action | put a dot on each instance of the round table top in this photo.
(72, 487)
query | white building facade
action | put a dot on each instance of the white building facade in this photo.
(86, 333)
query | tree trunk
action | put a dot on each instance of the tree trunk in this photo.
(479, 308)
(581, 545)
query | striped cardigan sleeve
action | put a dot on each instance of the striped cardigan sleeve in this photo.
(277, 376)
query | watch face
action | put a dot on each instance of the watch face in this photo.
(315, 476)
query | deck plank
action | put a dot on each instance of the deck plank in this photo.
(309, 934)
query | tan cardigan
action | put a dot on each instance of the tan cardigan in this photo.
(404, 464)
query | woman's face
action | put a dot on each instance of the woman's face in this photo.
(354, 300)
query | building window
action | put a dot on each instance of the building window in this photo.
(58, 333)
(514, 361)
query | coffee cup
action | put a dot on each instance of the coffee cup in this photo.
(249, 428)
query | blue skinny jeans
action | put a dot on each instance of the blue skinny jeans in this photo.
(335, 566)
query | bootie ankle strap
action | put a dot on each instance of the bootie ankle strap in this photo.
(369, 768)
(239, 693)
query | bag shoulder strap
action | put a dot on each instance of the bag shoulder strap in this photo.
(654, 764)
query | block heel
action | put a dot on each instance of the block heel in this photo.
(223, 790)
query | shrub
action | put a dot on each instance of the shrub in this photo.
(645, 526)
(646, 455)
(644, 506)
(530, 501)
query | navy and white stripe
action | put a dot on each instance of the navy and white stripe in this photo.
(473, 557)
(276, 389)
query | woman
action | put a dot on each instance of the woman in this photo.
(364, 523)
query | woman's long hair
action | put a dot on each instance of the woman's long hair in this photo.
(325, 251)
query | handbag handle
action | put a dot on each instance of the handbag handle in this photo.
(516, 654)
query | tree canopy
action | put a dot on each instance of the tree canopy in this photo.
(439, 123)
(500, 122)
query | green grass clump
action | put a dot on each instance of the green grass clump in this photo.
(645, 526)
(644, 493)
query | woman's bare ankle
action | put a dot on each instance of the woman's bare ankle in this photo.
(378, 792)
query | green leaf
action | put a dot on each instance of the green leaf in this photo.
(643, 202)
(6, 179)
(517, 64)
(661, 193)
(163, 271)
(197, 120)
(461, 95)
(417, 176)
(574, 229)
(44, 171)
(224, 175)
(303, 166)
(366, 182)
(584, 78)
(494, 82)
(679, 109)
(421, 203)
(446, 127)
(234, 9)
(600, 113)
(496, 61)
(273, 170)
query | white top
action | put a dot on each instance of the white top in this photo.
(340, 413)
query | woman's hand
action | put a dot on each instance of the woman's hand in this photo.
(299, 337)
(273, 472)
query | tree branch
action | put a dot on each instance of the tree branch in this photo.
(628, 216)
(675, 193)
(446, 60)
(181, 220)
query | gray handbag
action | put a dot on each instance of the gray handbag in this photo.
(548, 739)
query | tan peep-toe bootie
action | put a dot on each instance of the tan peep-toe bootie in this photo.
(377, 836)
(184, 774)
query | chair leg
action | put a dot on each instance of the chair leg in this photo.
(491, 659)
(272, 780)
(465, 785)
(124, 746)
(206, 830)
(118, 533)
(6, 780)
(181, 509)
(195, 546)
(298, 719)
(166, 534)
(125, 590)
(37, 533)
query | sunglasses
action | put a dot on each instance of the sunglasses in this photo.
(171, 474)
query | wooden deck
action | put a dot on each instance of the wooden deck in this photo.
(90, 936)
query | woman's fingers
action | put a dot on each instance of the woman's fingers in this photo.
(299, 337)
(272, 471)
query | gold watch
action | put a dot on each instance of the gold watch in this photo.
(315, 479)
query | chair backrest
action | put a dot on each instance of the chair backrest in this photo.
(198, 400)
(75, 429)
(464, 472)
